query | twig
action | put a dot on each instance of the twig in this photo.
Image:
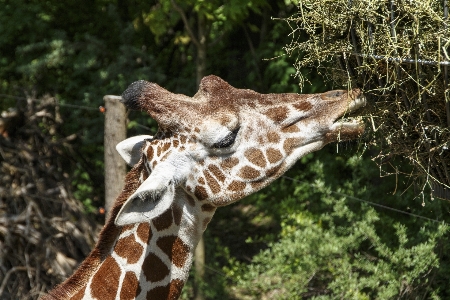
(403, 60)
(186, 23)
(253, 52)
(8, 274)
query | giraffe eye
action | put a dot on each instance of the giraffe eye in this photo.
(228, 140)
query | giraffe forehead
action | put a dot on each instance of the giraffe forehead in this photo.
(226, 118)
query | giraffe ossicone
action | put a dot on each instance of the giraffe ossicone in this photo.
(210, 150)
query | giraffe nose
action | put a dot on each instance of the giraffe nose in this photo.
(333, 95)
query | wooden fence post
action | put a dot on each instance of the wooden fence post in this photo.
(115, 132)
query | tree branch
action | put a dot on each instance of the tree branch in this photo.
(186, 23)
(8, 274)
(217, 39)
(253, 52)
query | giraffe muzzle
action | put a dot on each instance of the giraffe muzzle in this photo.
(347, 127)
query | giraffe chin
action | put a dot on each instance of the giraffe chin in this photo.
(345, 130)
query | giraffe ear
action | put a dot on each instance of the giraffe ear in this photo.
(149, 201)
(130, 149)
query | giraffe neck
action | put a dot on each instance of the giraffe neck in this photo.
(152, 260)
(148, 260)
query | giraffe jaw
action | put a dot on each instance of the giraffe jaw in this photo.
(349, 127)
(346, 130)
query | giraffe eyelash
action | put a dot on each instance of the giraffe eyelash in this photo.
(228, 140)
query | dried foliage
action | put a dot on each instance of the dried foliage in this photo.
(43, 232)
(398, 52)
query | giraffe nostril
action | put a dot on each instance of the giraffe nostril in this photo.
(332, 95)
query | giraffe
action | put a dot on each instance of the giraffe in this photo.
(210, 150)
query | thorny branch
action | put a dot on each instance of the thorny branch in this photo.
(393, 51)
(186, 23)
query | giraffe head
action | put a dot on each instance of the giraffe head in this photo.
(224, 143)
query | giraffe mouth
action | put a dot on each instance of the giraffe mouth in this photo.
(348, 127)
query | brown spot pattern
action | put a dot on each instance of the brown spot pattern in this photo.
(183, 139)
(169, 292)
(177, 214)
(206, 222)
(276, 171)
(212, 183)
(256, 157)
(166, 146)
(208, 207)
(145, 173)
(277, 114)
(290, 129)
(159, 292)
(144, 232)
(273, 137)
(237, 186)
(158, 151)
(164, 220)
(130, 287)
(201, 180)
(176, 286)
(106, 280)
(216, 172)
(79, 295)
(166, 155)
(302, 106)
(272, 171)
(154, 269)
(128, 248)
(234, 197)
(290, 144)
(224, 120)
(257, 184)
(247, 172)
(273, 155)
(150, 153)
(200, 192)
(127, 227)
(190, 200)
(260, 139)
(174, 248)
(106, 241)
(229, 162)
(175, 143)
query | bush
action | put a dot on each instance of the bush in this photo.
(332, 244)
